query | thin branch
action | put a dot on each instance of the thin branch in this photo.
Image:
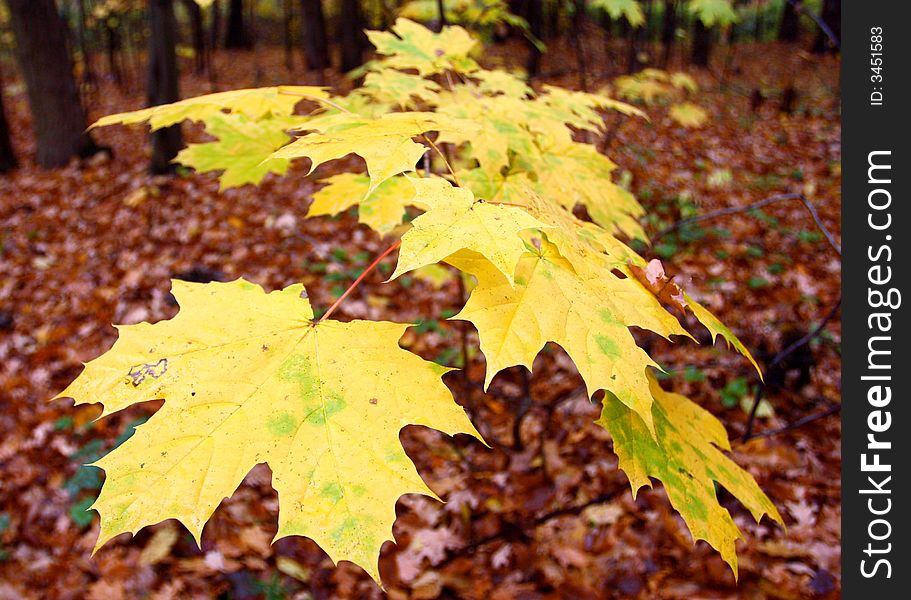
(360, 278)
(748, 432)
(522, 529)
(819, 22)
(498, 203)
(834, 408)
(755, 205)
(315, 99)
(443, 156)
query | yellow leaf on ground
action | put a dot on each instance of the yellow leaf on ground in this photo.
(689, 115)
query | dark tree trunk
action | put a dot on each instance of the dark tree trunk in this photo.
(577, 34)
(163, 82)
(351, 35)
(702, 44)
(789, 29)
(112, 42)
(668, 31)
(535, 18)
(198, 36)
(637, 36)
(88, 73)
(552, 22)
(8, 160)
(831, 16)
(238, 37)
(316, 48)
(215, 25)
(441, 18)
(288, 33)
(47, 68)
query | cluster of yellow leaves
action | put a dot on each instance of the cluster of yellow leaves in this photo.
(498, 170)
(654, 86)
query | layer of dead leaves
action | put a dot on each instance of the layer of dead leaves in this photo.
(545, 516)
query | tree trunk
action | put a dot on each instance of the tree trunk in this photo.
(351, 35)
(163, 82)
(288, 33)
(200, 53)
(237, 37)
(577, 34)
(535, 19)
(441, 17)
(702, 44)
(789, 29)
(112, 42)
(47, 68)
(8, 160)
(88, 73)
(831, 16)
(669, 31)
(316, 48)
(637, 36)
(215, 25)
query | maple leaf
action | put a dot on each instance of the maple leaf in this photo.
(628, 9)
(381, 210)
(395, 87)
(686, 456)
(682, 81)
(385, 143)
(689, 115)
(498, 81)
(717, 328)
(248, 378)
(254, 103)
(713, 12)
(454, 221)
(242, 147)
(413, 46)
(579, 174)
(588, 315)
(503, 130)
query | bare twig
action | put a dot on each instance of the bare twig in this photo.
(834, 408)
(360, 278)
(748, 432)
(819, 22)
(443, 156)
(522, 530)
(755, 205)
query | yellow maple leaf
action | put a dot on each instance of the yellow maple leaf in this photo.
(454, 221)
(588, 315)
(254, 103)
(686, 456)
(689, 115)
(381, 210)
(242, 146)
(385, 143)
(717, 328)
(412, 46)
(248, 378)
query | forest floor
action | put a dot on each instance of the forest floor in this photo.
(548, 516)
